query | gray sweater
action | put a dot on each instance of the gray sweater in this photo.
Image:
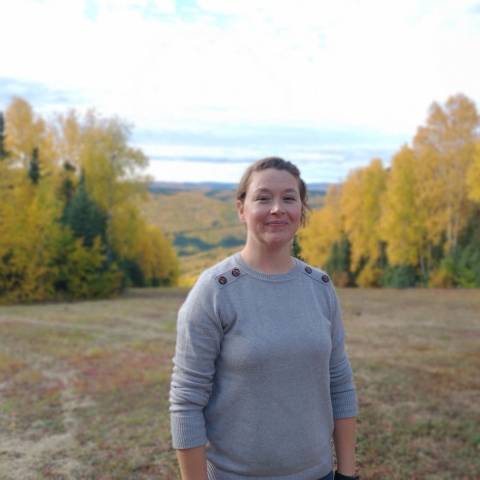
(260, 372)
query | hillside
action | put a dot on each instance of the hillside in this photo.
(203, 221)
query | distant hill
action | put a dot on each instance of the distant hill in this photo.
(202, 219)
(167, 187)
(318, 187)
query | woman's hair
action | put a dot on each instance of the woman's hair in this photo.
(278, 164)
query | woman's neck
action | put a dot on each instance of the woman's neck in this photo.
(268, 261)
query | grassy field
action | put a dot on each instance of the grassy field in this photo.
(84, 386)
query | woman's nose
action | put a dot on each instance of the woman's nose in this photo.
(277, 207)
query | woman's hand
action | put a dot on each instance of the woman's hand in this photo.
(193, 463)
(344, 441)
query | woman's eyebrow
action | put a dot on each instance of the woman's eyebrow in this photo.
(267, 190)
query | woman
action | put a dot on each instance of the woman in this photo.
(261, 381)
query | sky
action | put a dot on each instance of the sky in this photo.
(213, 85)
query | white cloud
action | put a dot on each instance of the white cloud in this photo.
(174, 170)
(371, 64)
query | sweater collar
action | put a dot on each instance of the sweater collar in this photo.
(281, 277)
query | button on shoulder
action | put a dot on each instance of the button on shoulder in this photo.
(226, 278)
(316, 274)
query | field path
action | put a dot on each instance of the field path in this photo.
(20, 457)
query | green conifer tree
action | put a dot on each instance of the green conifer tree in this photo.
(84, 217)
(34, 171)
(399, 276)
(67, 188)
(3, 152)
(339, 261)
(296, 249)
(467, 256)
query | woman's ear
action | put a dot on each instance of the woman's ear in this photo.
(241, 216)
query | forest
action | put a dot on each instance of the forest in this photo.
(413, 223)
(71, 191)
(77, 220)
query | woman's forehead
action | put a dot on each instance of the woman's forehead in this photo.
(273, 179)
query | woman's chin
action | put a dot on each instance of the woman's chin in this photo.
(279, 240)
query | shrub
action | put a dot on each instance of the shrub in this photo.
(369, 277)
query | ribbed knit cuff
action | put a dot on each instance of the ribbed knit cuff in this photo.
(344, 404)
(188, 431)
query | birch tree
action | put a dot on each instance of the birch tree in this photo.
(404, 218)
(25, 131)
(446, 149)
(324, 228)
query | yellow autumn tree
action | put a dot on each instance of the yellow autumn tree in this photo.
(404, 219)
(374, 187)
(28, 206)
(26, 131)
(473, 178)
(77, 271)
(361, 209)
(111, 168)
(25, 265)
(401, 216)
(156, 257)
(445, 147)
(324, 228)
(7, 181)
(352, 212)
(58, 240)
(68, 135)
(23, 131)
(31, 149)
(8, 217)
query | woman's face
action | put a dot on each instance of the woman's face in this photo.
(271, 209)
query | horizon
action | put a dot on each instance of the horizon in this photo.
(213, 183)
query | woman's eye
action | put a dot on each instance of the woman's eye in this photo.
(263, 199)
(289, 199)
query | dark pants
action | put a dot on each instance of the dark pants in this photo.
(327, 477)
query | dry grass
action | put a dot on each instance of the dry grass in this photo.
(83, 387)
(416, 357)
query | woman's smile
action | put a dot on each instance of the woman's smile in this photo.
(277, 224)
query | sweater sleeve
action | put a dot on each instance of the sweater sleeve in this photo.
(342, 388)
(199, 337)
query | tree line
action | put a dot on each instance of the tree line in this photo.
(70, 219)
(414, 223)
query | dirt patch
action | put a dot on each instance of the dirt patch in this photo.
(23, 458)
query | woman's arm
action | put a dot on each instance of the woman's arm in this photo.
(344, 441)
(342, 392)
(199, 338)
(193, 463)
